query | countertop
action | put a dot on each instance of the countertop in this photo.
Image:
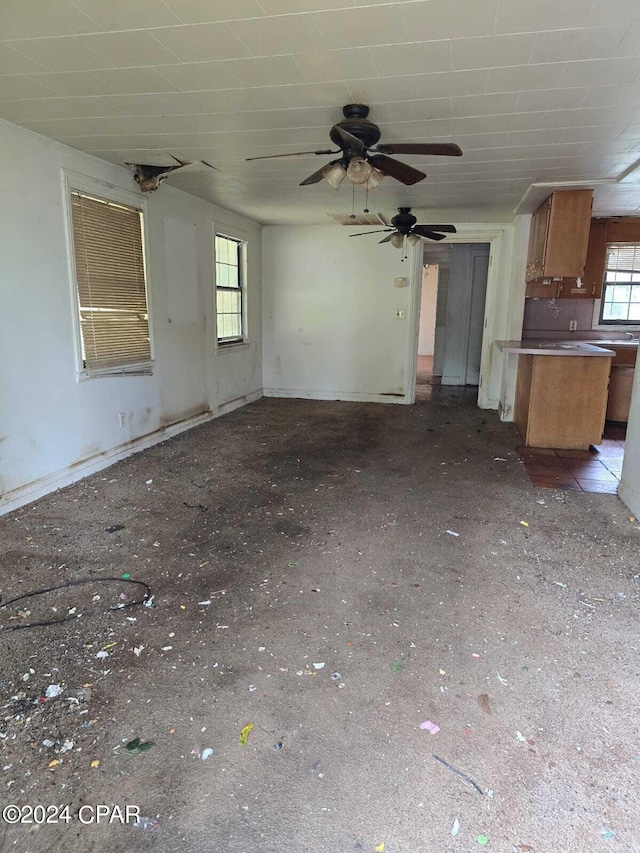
(560, 348)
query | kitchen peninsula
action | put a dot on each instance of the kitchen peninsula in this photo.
(561, 392)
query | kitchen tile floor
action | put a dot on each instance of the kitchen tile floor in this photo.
(594, 470)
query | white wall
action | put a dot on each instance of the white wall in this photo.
(53, 427)
(427, 332)
(329, 304)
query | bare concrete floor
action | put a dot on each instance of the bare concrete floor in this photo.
(319, 534)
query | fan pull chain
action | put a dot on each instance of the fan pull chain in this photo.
(366, 198)
(353, 201)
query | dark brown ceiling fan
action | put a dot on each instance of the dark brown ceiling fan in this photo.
(404, 227)
(362, 159)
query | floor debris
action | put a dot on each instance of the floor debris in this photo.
(244, 734)
(460, 774)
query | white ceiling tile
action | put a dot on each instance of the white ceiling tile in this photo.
(566, 45)
(126, 15)
(522, 78)
(454, 83)
(484, 105)
(600, 72)
(191, 77)
(630, 44)
(77, 127)
(515, 16)
(513, 122)
(35, 18)
(71, 83)
(129, 49)
(60, 54)
(362, 27)
(202, 42)
(606, 11)
(550, 99)
(535, 137)
(266, 71)
(275, 36)
(53, 108)
(317, 94)
(151, 105)
(490, 51)
(284, 7)
(14, 62)
(230, 100)
(604, 96)
(211, 11)
(419, 58)
(133, 81)
(411, 111)
(575, 118)
(16, 86)
(446, 19)
(381, 90)
(325, 66)
(600, 133)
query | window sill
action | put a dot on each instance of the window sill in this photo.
(232, 347)
(145, 369)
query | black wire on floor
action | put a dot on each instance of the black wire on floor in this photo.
(70, 617)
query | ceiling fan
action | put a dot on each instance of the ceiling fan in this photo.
(149, 177)
(362, 160)
(405, 227)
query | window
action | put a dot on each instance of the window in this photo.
(111, 286)
(229, 289)
(621, 291)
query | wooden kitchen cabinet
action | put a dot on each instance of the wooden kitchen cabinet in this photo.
(620, 387)
(561, 401)
(560, 235)
(596, 258)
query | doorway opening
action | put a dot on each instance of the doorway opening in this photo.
(452, 307)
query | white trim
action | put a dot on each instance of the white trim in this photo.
(629, 496)
(346, 396)
(222, 349)
(242, 238)
(66, 476)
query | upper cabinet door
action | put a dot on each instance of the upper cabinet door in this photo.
(559, 236)
(568, 234)
(596, 258)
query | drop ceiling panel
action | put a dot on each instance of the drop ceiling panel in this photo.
(532, 91)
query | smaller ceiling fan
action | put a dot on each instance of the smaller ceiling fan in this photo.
(405, 228)
(149, 177)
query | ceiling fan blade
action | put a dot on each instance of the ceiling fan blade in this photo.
(386, 239)
(314, 179)
(446, 149)
(395, 169)
(430, 235)
(356, 146)
(378, 231)
(297, 154)
(448, 229)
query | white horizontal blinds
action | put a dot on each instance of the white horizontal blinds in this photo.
(621, 302)
(110, 274)
(229, 289)
(623, 257)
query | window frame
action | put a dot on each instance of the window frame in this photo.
(85, 185)
(242, 247)
(601, 322)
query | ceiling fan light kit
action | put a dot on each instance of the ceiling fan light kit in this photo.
(404, 227)
(397, 240)
(334, 174)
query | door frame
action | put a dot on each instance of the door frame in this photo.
(495, 238)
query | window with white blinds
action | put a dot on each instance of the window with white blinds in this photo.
(621, 289)
(111, 286)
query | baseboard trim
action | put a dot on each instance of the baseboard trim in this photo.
(629, 496)
(66, 476)
(344, 396)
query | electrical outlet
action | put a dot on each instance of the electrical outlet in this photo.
(122, 420)
(573, 325)
(400, 313)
